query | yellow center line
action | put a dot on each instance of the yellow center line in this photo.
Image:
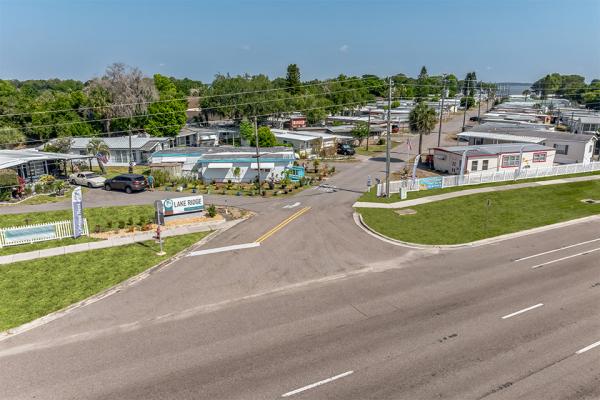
(283, 223)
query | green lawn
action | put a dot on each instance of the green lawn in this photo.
(373, 149)
(372, 195)
(466, 219)
(23, 248)
(32, 289)
(114, 171)
(101, 216)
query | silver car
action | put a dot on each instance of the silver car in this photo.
(87, 178)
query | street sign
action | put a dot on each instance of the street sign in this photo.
(77, 205)
(182, 205)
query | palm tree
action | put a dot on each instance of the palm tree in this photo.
(97, 148)
(422, 120)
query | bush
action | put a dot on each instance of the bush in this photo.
(109, 224)
(381, 141)
(97, 229)
(161, 177)
(211, 210)
(130, 221)
(141, 221)
(121, 224)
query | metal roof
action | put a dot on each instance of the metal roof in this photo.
(12, 158)
(508, 132)
(500, 136)
(120, 142)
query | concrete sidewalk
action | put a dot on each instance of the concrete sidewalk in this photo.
(119, 241)
(467, 192)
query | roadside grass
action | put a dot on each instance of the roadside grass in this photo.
(466, 219)
(23, 248)
(371, 196)
(98, 216)
(32, 289)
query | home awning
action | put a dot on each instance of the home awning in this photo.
(265, 165)
(219, 165)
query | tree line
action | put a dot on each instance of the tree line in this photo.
(125, 100)
(572, 87)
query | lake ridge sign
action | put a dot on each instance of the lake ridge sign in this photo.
(182, 205)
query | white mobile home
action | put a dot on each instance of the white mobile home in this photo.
(570, 148)
(220, 164)
(494, 157)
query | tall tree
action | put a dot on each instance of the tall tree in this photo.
(422, 87)
(293, 79)
(126, 93)
(422, 120)
(167, 116)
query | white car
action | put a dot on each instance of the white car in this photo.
(87, 178)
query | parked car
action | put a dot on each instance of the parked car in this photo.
(87, 178)
(127, 182)
(345, 149)
(474, 119)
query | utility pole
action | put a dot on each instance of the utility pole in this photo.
(487, 103)
(368, 129)
(466, 106)
(130, 169)
(388, 141)
(442, 109)
(479, 106)
(257, 156)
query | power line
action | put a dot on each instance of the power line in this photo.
(205, 108)
(206, 97)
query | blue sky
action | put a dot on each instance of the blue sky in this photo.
(502, 40)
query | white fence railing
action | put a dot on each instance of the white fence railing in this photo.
(440, 182)
(39, 232)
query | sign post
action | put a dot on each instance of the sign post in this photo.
(77, 206)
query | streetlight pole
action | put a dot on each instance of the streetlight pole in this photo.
(387, 142)
(442, 109)
(257, 156)
(466, 106)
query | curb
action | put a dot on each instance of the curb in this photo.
(114, 289)
(360, 222)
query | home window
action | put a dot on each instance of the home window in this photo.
(539, 157)
(484, 165)
(474, 165)
(561, 148)
(510, 161)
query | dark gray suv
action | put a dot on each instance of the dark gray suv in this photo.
(127, 182)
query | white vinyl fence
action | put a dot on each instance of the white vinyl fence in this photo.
(38, 232)
(439, 182)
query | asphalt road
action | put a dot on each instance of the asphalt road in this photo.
(323, 310)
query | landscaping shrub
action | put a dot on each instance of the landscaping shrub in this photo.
(121, 224)
(130, 221)
(211, 210)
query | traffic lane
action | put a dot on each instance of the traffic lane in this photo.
(502, 363)
(435, 311)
